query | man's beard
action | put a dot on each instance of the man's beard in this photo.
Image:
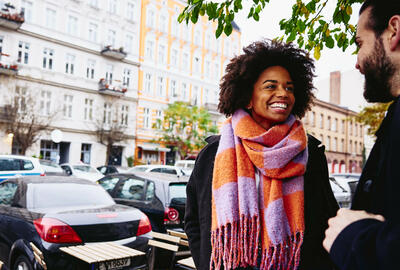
(378, 72)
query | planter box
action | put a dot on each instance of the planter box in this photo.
(14, 25)
(116, 54)
(8, 71)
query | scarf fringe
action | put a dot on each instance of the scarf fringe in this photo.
(281, 257)
(233, 248)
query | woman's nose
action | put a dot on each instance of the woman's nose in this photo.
(281, 91)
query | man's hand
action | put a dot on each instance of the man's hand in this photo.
(344, 218)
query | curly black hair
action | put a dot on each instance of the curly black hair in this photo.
(243, 71)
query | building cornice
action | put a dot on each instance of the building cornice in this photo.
(87, 132)
(334, 107)
(71, 45)
(61, 85)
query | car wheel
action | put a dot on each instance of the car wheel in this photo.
(22, 263)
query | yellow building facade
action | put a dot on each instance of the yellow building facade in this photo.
(178, 62)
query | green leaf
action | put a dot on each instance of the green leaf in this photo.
(251, 12)
(220, 27)
(258, 9)
(301, 26)
(291, 37)
(329, 42)
(228, 29)
(256, 17)
(317, 52)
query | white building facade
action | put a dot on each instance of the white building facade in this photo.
(78, 61)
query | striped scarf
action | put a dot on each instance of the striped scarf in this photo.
(242, 216)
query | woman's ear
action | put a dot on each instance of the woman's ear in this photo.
(250, 106)
(394, 28)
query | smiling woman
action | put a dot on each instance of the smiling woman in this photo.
(265, 201)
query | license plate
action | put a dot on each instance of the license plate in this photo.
(115, 264)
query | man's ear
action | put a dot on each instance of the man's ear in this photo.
(394, 29)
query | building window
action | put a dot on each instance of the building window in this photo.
(111, 38)
(161, 54)
(146, 118)
(85, 152)
(45, 102)
(335, 124)
(149, 49)
(195, 94)
(48, 55)
(172, 91)
(130, 11)
(185, 61)
(93, 32)
(351, 127)
(334, 144)
(329, 123)
(49, 150)
(197, 37)
(351, 147)
(21, 98)
(208, 41)
(126, 77)
(160, 86)
(356, 130)
(312, 119)
(321, 121)
(90, 69)
(69, 63)
(175, 27)
(112, 6)
(26, 8)
(94, 3)
(124, 115)
(72, 25)
(361, 147)
(343, 145)
(217, 71)
(109, 73)
(23, 52)
(1, 46)
(184, 92)
(150, 18)
(174, 57)
(196, 63)
(67, 109)
(227, 47)
(328, 143)
(158, 119)
(129, 43)
(355, 148)
(51, 18)
(107, 113)
(343, 127)
(88, 111)
(147, 83)
(207, 68)
(321, 138)
(163, 23)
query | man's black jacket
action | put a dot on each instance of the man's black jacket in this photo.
(319, 204)
(370, 244)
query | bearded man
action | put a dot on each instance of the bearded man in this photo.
(368, 236)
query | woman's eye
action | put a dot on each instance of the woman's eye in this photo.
(291, 89)
(271, 86)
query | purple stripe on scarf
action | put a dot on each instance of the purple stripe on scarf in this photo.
(276, 222)
(293, 185)
(227, 132)
(248, 191)
(237, 116)
(280, 157)
(227, 200)
(302, 157)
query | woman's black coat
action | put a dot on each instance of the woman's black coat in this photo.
(319, 206)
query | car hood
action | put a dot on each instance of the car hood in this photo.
(88, 176)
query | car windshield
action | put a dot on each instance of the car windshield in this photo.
(57, 195)
(138, 169)
(49, 163)
(84, 168)
(177, 191)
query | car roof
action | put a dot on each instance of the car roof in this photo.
(18, 156)
(49, 180)
(154, 176)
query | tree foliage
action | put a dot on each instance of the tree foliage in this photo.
(185, 127)
(22, 118)
(307, 26)
(372, 116)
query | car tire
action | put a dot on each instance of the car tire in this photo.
(22, 263)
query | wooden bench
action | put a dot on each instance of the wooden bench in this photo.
(176, 245)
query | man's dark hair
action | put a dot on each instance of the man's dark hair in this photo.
(381, 12)
(243, 71)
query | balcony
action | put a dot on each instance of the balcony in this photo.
(114, 53)
(108, 89)
(6, 67)
(11, 19)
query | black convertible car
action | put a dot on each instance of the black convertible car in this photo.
(53, 212)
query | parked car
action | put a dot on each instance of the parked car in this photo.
(161, 197)
(51, 168)
(168, 169)
(348, 181)
(56, 211)
(109, 169)
(186, 165)
(13, 165)
(83, 171)
(342, 195)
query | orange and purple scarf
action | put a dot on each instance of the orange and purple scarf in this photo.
(242, 216)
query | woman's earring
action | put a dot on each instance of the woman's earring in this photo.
(249, 107)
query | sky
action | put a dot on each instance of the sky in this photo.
(331, 59)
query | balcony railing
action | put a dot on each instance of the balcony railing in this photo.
(7, 67)
(11, 19)
(114, 53)
(108, 89)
